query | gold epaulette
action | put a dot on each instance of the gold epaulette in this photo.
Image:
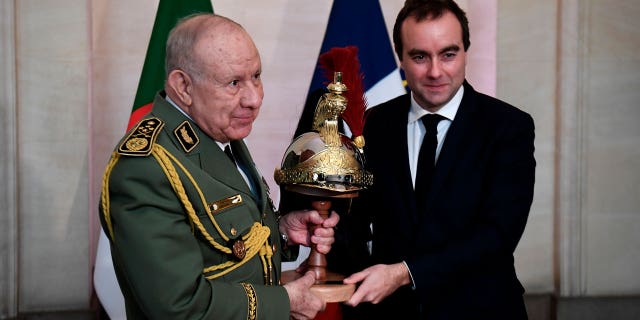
(140, 140)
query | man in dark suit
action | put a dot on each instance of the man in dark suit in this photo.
(192, 230)
(444, 248)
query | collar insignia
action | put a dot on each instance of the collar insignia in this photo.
(187, 136)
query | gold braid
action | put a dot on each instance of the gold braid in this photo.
(104, 198)
(256, 240)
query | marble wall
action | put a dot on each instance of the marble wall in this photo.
(69, 70)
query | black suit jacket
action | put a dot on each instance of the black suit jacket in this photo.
(459, 248)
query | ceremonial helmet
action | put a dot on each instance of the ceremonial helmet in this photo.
(324, 158)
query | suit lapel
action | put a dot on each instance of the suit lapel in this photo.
(402, 156)
(392, 156)
(457, 140)
(392, 150)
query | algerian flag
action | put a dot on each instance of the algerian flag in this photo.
(153, 73)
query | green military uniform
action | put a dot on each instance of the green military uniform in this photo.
(189, 240)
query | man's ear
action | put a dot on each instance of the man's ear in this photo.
(180, 82)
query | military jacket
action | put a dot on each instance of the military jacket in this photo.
(189, 239)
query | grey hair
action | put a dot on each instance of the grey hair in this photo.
(180, 53)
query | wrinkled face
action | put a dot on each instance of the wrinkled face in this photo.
(433, 59)
(228, 95)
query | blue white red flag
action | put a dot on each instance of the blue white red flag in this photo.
(361, 24)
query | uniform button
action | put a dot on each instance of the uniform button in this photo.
(273, 246)
(234, 231)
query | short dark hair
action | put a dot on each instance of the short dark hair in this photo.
(428, 9)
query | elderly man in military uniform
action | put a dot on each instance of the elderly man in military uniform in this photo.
(193, 232)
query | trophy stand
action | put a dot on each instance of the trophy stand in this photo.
(325, 165)
(328, 284)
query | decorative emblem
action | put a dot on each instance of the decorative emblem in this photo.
(140, 140)
(186, 136)
(137, 144)
(237, 248)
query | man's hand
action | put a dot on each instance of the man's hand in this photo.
(297, 226)
(304, 304)
(378, 282)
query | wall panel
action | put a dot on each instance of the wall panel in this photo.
(612, 148)
(52, 58)
(526, 78)
(8, 201)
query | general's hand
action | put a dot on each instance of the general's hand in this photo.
(378, 282)
(297, 226)
(304, 304)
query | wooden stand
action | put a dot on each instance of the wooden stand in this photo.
(328, 284)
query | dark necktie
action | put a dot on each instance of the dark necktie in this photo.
(249, 180)
(426, 159)
(227, 150)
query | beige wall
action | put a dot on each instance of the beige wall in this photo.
(573, 65)
(526, 77)
(608, 72)
(69, 70)
(46, 152)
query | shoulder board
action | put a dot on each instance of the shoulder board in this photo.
(140, 140)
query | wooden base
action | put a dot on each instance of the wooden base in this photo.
(321, 193)
(329, 286)
(330, 290)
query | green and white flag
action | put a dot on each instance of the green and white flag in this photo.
(153, 73)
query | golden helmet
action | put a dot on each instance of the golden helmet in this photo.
(324, 158)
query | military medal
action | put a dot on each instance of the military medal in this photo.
(237, 248)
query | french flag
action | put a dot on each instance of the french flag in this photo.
(360, 24)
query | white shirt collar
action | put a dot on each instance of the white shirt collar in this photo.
(448, 111)
(222, 145)
(176, 106)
